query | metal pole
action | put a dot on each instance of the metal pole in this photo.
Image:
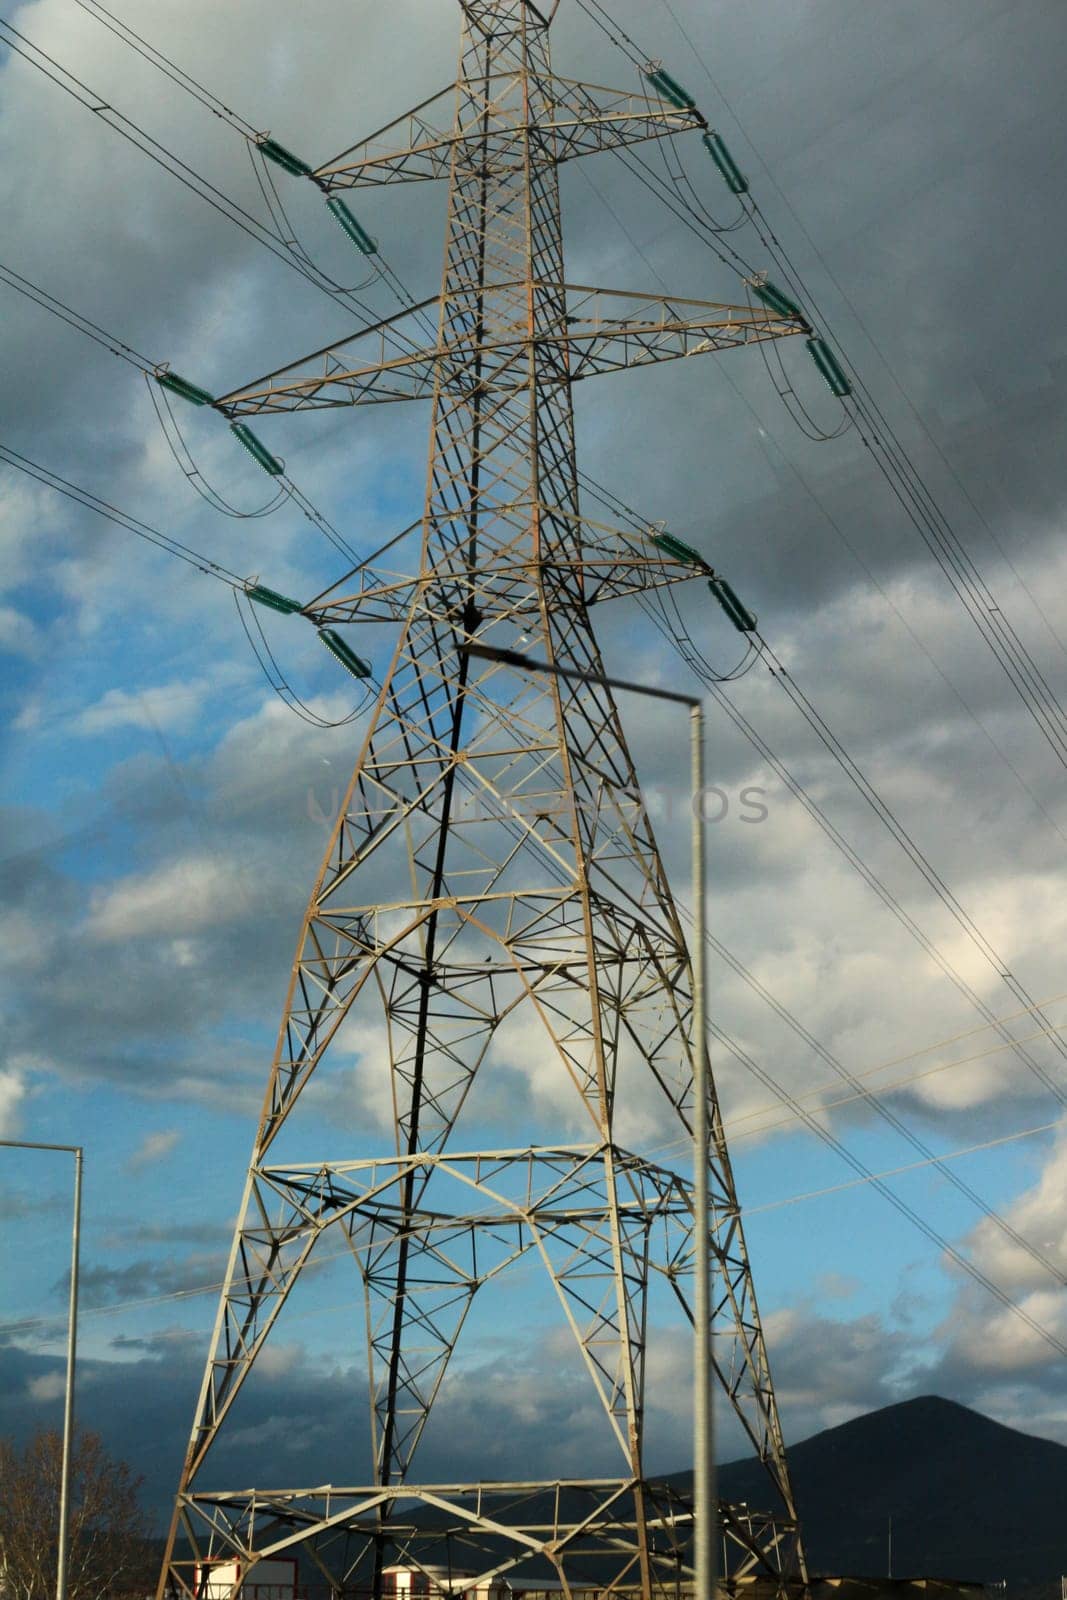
(62, 1549)
(63, 1558)
(705, 1551)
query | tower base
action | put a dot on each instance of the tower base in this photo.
(576, 1537)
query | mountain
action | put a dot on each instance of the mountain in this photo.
(969, 1498)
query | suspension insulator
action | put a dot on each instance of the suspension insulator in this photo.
(779, 303)
(181, 386)
(268, 462)
(830, 368)
(348, 658)
(678, 549)
(670, 89)
(283, 158)
(739, 614)
(735, 179)
(270, 597)
(358, 235)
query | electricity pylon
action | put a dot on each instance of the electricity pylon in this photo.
(492, 874)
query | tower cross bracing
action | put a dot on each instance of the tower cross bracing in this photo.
(493, 868)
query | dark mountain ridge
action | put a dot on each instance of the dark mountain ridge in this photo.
(969, 1497)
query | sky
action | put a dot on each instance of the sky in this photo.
(164, 814)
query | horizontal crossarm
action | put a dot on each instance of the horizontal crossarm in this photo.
(405, 149)
(387, 361)
(583, 118)
(610, 562)
(604, 330)
(609, 329)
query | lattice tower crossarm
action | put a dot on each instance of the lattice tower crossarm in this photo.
(444, 928)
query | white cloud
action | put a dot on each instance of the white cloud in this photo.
(987, 1347)
(152, 1148)
(167, 705)
(51, 1386)
(181, 897)
(20, 530)
(18, 635)
(12, 1094)
(363, 1092)
(995, 1344)
(277, 1360)
(29, 717)
(1038, 1215)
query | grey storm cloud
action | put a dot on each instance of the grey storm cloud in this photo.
(529, 1411)
(497, 1415)
(101, 1286)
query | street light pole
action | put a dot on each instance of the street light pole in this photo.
(704, 1507)
(706, 1548)
(63, 1547)
(63, 1554)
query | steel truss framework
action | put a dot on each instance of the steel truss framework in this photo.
(444, 929)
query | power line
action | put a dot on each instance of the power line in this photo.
(816, 1098)
(187, 175)
(263, 653)
(925, 513)
(184, 460)
(173, 434)
(141, 140)
(683, 642)
(888, 818)
(609, 499)
(122, 519)
(655, 606)
(800, 1111)
(100, 108)
(890, 458)
(31, 1324)
(281, 686)
(74, 319)
(863, 326)
(865, 1173)
(967, 1033)
(860, 865)
(156, 58)
(283, 227)
(674, 630)
(873, 1098)
(911, 1166)
(891, 901)
(872, 578)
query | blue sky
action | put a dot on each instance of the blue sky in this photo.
(164, 812)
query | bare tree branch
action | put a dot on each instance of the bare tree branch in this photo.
(108, 1544)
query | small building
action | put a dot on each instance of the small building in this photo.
(443, 1583)
(263, 1580)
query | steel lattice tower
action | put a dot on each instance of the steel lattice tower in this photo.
(511, 877)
